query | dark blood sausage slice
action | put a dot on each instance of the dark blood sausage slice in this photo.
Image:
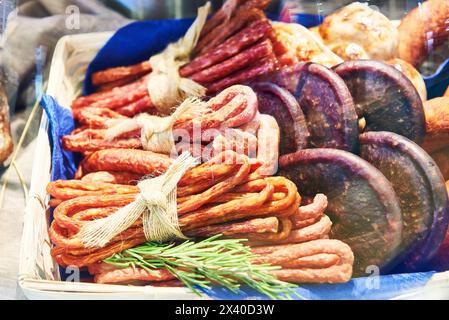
(282, 105)
(385, 97)
(420, 188)
(363, 206)
(326, 103)
(328, 107)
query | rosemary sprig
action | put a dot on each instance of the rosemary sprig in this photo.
(226, 262)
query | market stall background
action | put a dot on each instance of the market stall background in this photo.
(22, 74)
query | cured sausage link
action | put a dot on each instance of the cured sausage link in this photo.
(321, 272)
(270, 237)
(281, 184)
(120, 275)
(126, 98)
(222, 15)
(96, 117)
(144, 104)
(252, 206)
(129, 160)
(333, 274)
(225, 212)
(260, 225)
(234, 13)
(200, 213)
(93, 140)
(112, 177)
(228, 9)
(283, 253)
(118, 94)
(118, 73)
(197, 201)
(208, 175)
(74, 246)
(311, 213)
(268, 141)
(69, 189)
(118, 83)
(319, 230)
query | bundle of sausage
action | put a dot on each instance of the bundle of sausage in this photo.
(234, 47)
(229, 121)
(224, 196)
(305, 254)
(232, 108)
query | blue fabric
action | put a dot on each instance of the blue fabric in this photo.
(137, 42)
(61, 123)
(306, 19)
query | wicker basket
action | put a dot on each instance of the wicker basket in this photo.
(39, 276)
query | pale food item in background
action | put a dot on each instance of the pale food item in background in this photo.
(294, 43)
(316, 32)
(359, 31)
(349, 51)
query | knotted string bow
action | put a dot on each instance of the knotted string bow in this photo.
(156, 204)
